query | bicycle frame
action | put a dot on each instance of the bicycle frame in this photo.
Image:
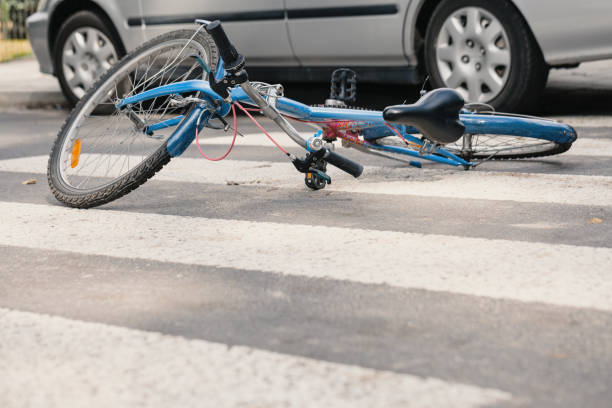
(343, 123)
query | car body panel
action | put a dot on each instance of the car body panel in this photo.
(567, 31)
(39, 25)
(261, 33)
(316, 35)
(118, 12)
(570, 31)
(38, 28)
(347, 32)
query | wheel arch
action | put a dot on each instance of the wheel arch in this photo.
(417, 21)
(67, 8)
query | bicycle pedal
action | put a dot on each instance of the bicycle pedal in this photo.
(316, 179)
(343, 86)
(320, 174)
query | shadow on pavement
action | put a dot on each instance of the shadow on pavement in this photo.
(586, 90)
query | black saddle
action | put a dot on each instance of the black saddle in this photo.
(435, 115)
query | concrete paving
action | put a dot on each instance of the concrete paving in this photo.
(468, 300)
(22, 85)
(231, 284)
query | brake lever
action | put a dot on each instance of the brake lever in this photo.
(304, 165)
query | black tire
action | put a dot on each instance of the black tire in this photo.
(86, 198)
(528, 71)
(79, 20)
(526, 148)
(527, 152)
(123, 186)
(553, 149)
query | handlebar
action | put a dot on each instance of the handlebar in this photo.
(347, 165)
(232, 60)
(343, 163)
(233, 63)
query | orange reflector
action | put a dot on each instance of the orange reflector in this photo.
(76, 152)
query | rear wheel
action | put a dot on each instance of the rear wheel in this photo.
(485, 50)
(541, 137)
(102, 153)
(504, 147)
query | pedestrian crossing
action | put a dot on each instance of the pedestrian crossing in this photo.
(442, 183)
(137, 368)
(128, 362)
(535, 272)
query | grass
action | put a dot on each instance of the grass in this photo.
(11, 49)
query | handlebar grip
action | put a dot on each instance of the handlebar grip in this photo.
(230, 55)
(347, 165)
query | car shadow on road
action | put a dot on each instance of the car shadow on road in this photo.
(586, 90)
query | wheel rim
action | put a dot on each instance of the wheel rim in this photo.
(503, 145)
(86, 54)
(103, 144)
(473, 54)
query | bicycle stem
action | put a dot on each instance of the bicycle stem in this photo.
(303, 165)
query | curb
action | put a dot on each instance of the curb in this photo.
(33, 100)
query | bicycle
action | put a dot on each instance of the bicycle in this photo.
(149, 107)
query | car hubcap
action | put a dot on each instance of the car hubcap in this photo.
(473, 54)
(87, 53)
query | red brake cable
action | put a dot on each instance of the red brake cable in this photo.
(228, 150)
(261, 128)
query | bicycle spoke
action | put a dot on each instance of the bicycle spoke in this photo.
(112, 141)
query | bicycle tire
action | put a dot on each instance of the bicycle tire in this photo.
(542, 138)
(157, 155)
(528, 147)
(548, 149)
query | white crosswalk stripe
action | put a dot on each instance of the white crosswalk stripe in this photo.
(481, 185)
(119, 367)
(534, 272)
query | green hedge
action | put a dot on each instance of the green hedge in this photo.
(13, 14)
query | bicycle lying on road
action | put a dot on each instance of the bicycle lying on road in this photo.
(149, 107)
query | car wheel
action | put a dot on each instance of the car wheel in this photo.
(84, 49)
(485, 50)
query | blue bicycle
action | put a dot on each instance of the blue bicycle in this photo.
(149, 107)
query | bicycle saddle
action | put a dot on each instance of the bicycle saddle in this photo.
(435, 115)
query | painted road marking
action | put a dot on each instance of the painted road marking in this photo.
(98, 365)
(401, 181)
(525, 271)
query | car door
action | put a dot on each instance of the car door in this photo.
(121, 12)
(347, 32)
(257, 27)
(570, 31)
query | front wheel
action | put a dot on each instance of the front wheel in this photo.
(84, 49)
(102, 153)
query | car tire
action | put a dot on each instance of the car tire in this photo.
(485, 50)
(84, 49)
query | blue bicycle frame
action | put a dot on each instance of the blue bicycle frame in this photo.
(368, 123)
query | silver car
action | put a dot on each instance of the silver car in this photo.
(493, 51)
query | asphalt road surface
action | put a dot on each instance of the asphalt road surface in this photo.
(232, 284)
